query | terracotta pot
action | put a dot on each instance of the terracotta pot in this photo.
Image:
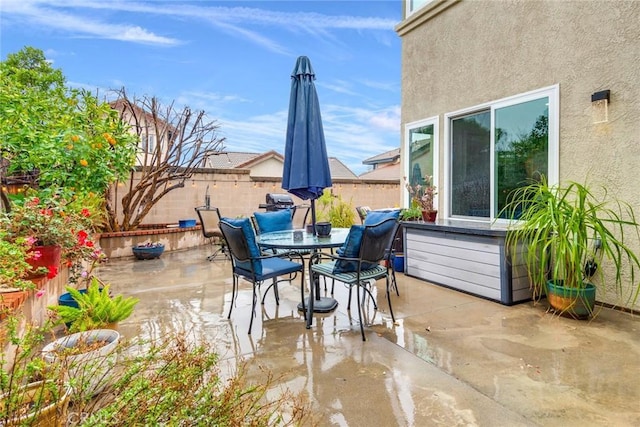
(429, 216)
(48, 256)
(11, 301)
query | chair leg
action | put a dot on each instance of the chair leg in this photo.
(234, 291)
(253, 306)
(393, 318)
(360, 312)
(273, 285)
(394, 284)
(364, 287)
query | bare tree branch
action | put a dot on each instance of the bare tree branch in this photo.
(173, 143)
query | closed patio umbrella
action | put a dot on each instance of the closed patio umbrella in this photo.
(306, 165)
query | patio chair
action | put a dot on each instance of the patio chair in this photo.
(282, 220)
(248, 262)
(358, 263)
(209, 218)
(362, 212)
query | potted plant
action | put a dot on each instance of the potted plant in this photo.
(29, 393)
(334, 210)
(86, 358)
(96, 308)
(149, 250)
(564, 232)
(412, 213)
(422, 195)
(14, 285)
(54, 225)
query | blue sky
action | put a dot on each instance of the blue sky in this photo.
(232, 59)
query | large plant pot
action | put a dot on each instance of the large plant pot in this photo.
(42, 412)
(575, 302)
(144, 252)
(90, 369)
(429, 216)
(44, 256)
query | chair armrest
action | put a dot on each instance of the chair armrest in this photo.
(319, 256)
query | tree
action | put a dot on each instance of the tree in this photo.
(66, 136)
(172, 143)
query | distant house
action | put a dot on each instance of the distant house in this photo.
(386, 166)
(152, 141)
(267, 164)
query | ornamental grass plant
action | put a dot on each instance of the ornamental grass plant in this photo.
(567, 231)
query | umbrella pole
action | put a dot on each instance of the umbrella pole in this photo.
(313, 215)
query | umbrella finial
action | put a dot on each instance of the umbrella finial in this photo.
(303, 67)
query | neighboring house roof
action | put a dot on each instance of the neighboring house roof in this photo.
(339, 170)
(228, 159)
(233, 160)
(390, 156)
(390, 172)
(260, 158)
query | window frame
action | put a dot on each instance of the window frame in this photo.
(553, 95)
(430, 121)
(410, 10)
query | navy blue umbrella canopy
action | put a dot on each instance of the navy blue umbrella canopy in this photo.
(306, 165)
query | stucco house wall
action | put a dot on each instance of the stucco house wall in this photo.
(457, 54)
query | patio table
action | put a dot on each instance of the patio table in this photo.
(285, 240)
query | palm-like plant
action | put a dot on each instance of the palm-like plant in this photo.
(96, 308)
(566, 230)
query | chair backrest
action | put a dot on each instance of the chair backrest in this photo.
(237, 243)
(280, 220)
(362, 212)
(209, 218)
(377, 240)
(241, 242)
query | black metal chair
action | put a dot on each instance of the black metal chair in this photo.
(362, 212)
(366, 247)
(209, 218)
(249, 263)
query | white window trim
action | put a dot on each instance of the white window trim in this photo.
(553, 93)
(409, 11)
(435, 122)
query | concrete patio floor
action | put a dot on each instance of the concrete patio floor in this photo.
(451, 359)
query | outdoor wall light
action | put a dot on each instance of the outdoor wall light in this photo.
(600, 106)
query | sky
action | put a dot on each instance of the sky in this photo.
(232, 59)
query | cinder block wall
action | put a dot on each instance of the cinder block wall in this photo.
(237, 193)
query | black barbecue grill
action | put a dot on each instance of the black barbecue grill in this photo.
(276, 202)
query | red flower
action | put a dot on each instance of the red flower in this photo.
(53, 272)
(82, 237)
(85, 212)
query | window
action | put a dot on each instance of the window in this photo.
(421, 145)
(498, 147)
(413, 5)
(148, 143)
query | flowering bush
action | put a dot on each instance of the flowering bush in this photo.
(13, 259)
(422, 194)
(46, 220)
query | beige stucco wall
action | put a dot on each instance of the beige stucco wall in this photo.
(237, 193)
(473, 52)
(269, 167)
